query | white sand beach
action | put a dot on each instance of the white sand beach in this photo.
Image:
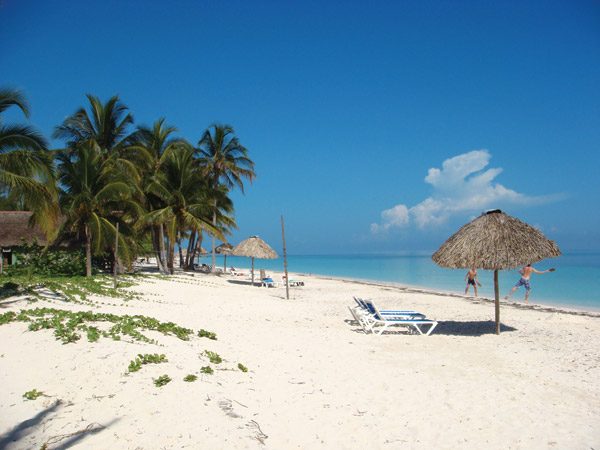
(314, 379)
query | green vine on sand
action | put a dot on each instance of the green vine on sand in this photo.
(32, 395)
(141, 360)
(213, 357)
(162, 380)
(68, 325)
(207, 370)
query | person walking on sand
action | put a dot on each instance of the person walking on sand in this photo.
(525, 280)
(471, 279)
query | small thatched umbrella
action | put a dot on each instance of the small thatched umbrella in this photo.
(254, 247)
(495, 241)
(224, 249)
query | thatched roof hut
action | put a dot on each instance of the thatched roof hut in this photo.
(16, 228)
(224, 249)
(254, 247)
(495, 241)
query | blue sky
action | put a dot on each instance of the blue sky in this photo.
(374, 126)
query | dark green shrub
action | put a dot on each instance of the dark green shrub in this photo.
(48, 261)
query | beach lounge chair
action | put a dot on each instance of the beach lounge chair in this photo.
(267, 282)
(380, 323)
(370, 308)
(237, 273)
(359, 316)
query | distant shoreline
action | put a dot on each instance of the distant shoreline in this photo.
(559, 308)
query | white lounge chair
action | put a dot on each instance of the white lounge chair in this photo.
(383, 322)
(237, 273)
(369, 307)
(362, 320)
(268, 282)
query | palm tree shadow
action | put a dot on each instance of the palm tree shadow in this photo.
(79, 435)
(27, 426)
(20, 432)
(469, 328)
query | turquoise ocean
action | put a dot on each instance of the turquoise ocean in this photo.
(575, 284)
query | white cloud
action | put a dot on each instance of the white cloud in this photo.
(461, 186)
(393, 217)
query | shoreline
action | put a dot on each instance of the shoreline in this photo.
(561, 308)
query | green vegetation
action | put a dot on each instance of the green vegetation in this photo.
(74, 289)
(189, 378)
(207, 370)
(35, 259)
(32, 395)
(156, 187)
(242, 367)
(26, 167)
(68, 324)
(162, 380)
(213, 357)
(141, 360)
(207, 334)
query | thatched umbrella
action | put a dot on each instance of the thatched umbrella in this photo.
(254, 247)
(224, 249)
(495, 241)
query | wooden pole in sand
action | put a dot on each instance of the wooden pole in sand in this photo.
(287, 282)
(1, 260)
(116, 257)
(497, 302)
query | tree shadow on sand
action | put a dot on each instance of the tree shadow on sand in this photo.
(469, 328)
(15, 437)
(244, 282)
(27, 426)
(447, 327)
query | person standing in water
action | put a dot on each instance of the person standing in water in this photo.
(525, 280)
(471, 279)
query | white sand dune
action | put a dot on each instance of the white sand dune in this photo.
(315, 380)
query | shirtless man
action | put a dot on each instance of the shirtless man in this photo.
(471, 278)
(524, 281)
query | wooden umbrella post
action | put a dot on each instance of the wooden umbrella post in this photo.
(287, 284)
(497, 302)
(253, 271)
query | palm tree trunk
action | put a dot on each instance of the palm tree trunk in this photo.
(191, 253)
(161, 243)
(198, 245)
(171, 256)
(155, 244)
(88, 252)
(214, 222)
(181, 264)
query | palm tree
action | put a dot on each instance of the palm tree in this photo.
(225, 221)
(148, 149)
(107, 125)
(93, 188)
(185, 205)
(26, 169)
(225, 162)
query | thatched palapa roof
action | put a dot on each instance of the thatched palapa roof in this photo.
(495, 241)
(224, 249)
(254, 247)
(15, 229)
